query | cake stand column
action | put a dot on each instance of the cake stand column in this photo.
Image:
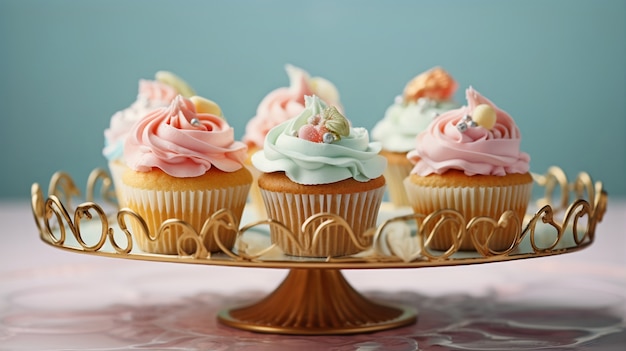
(317, 302)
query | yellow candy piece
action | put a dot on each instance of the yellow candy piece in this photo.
(206, 106)
(485, 116)
(175, 82)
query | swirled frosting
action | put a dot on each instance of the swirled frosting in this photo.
(496, 151)
(182, 142)
(312, 163)
(404, 120)
(286, 102)
(152, 95)
(424, 97)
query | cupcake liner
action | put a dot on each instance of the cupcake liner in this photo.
(255, 197)
(117, 169)
(395, 173)
(359, 210)
(193, 207)
(470, 202)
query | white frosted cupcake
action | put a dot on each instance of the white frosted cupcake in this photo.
(316, 163)
(469, 160)
(424, 97)
(277, 107)
(183, 163)
(152, 94)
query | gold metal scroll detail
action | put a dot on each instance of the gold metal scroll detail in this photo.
(315, 298)
(572, 216)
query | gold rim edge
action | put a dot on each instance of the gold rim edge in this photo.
(563, 216)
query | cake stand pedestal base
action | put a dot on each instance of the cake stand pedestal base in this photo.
(317, 302)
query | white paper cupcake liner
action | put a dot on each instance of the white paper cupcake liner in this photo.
(255, 197)
(395, 175)
(470, 202)
(117, 169)
(193, 207)
(360, 210)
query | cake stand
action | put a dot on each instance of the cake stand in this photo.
(315, 298)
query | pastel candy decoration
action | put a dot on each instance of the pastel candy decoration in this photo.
(326, 126)
(484, 116)
(204, 105)
(175, 82)
(434, 84)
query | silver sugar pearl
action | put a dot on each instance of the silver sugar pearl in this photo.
(462, 127)
(472, 124)
(195, 122)
(328, 138)
(425, 102)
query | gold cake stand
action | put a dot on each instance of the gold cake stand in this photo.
(315, 298)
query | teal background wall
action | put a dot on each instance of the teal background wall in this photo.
(558, 67)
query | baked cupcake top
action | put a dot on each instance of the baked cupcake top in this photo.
(152, 94)
(286, 102)
(425, 97)
(319, 146)
(478, 139)
(185, 139)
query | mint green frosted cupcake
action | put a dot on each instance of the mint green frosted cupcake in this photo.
(316, 163)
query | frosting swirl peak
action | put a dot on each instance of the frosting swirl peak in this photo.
(182, 142)
(425, 97)
(309, 163)
(477, 150)
(152, 95)
(286, 102)
(404, 120)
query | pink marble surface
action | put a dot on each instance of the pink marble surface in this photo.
(55, 300)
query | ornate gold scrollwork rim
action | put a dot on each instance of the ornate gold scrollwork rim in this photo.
(383, 253)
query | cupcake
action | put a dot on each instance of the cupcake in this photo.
(152, 94)
(469, 160)
(184, 163)
(278, 106)
(425, 97)
(317, 163)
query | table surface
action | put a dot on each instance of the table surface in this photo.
(56, 300)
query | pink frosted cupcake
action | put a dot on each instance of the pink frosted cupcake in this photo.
(469, 159)
(153, 94)
(184, 163)
(278, 106)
